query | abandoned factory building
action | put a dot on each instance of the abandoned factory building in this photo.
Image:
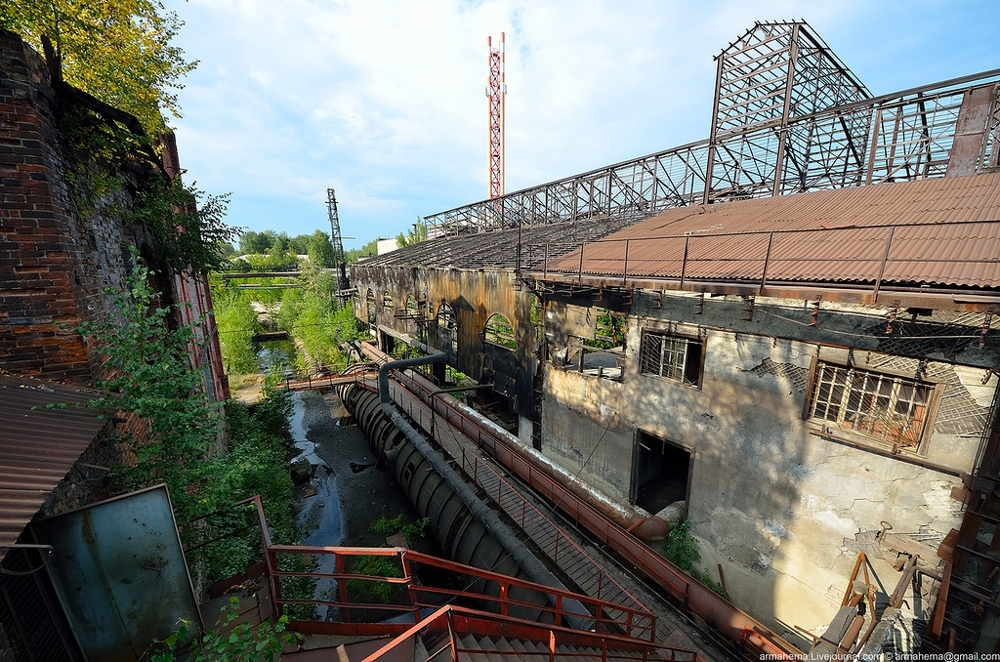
(784, 330)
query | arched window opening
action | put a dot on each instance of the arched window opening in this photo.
(500, 332)
(387, 300)
(447, 329)
(371, 302)
(412, 308)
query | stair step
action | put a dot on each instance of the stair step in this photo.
(470, 641)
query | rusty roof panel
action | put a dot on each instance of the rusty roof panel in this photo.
(38, 446)
(943, 232)
(494, 249)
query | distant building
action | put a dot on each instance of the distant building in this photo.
(388, 245)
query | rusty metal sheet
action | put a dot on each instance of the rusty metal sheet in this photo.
(940, 232)
(38, 446)
(110, 562)
(972, 116)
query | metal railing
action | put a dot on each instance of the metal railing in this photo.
(727, 619)
(902, 136)
(450, 421)
(355, 373)
(675, 258)
(447, 625)
(409, 604)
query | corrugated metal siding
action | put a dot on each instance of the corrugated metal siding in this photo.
(38, 446)
(827, 236)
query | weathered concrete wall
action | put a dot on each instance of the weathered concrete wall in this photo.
(772, 500)
(474, 296)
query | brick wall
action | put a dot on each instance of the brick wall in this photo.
(58, 258)
(36, 260)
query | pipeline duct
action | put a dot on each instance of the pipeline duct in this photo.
(466, 529)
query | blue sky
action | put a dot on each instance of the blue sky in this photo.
(384, 100)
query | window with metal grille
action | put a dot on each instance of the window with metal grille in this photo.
(888, 408)
(675, 357)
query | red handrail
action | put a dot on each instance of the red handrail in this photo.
(634, 622)
(725, 617)
(460, 620)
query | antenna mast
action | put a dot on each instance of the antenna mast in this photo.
(343, 284)
(496, 90)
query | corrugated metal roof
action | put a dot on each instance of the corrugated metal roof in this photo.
(38, 446)
(940, 232)
(494, 249)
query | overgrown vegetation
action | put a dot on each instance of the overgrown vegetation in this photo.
(310, 313)
(189, 234)
(681, 549)
(238, 324)
(119, 51)
(382, 592)
(230, 643)
(312, 316)
(398, 524)
(152, 378)
(115, 173)
(374, 591)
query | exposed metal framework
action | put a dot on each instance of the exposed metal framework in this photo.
(496, 91)
(338, 243)
(788, 117)
(774, 72)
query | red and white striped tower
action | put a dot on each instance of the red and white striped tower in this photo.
(496, 90)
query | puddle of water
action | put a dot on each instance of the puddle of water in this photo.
(320, 518)
(297, 430)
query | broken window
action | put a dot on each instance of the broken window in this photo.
(603, 355)
(387, 300)
(888, 408)
(412, 308)
(678, 358)
(500, 332)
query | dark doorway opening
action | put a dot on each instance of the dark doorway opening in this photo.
(660, 474)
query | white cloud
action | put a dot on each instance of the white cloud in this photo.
(384, 100)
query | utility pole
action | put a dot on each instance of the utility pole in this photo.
(343, 284)
(496, 90)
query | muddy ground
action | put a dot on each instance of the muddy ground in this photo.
(348, 490)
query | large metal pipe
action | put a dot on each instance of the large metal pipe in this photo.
(467, 529)
(645, 526)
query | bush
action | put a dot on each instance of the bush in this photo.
(237, 643)
(373, 590)
(681, 548)
(388, 527)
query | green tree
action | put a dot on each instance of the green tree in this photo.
(119, 51)
(256, 243)
(415, 235)
(320, 250)
(299, 245)
(189, 232)
(371, 248)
